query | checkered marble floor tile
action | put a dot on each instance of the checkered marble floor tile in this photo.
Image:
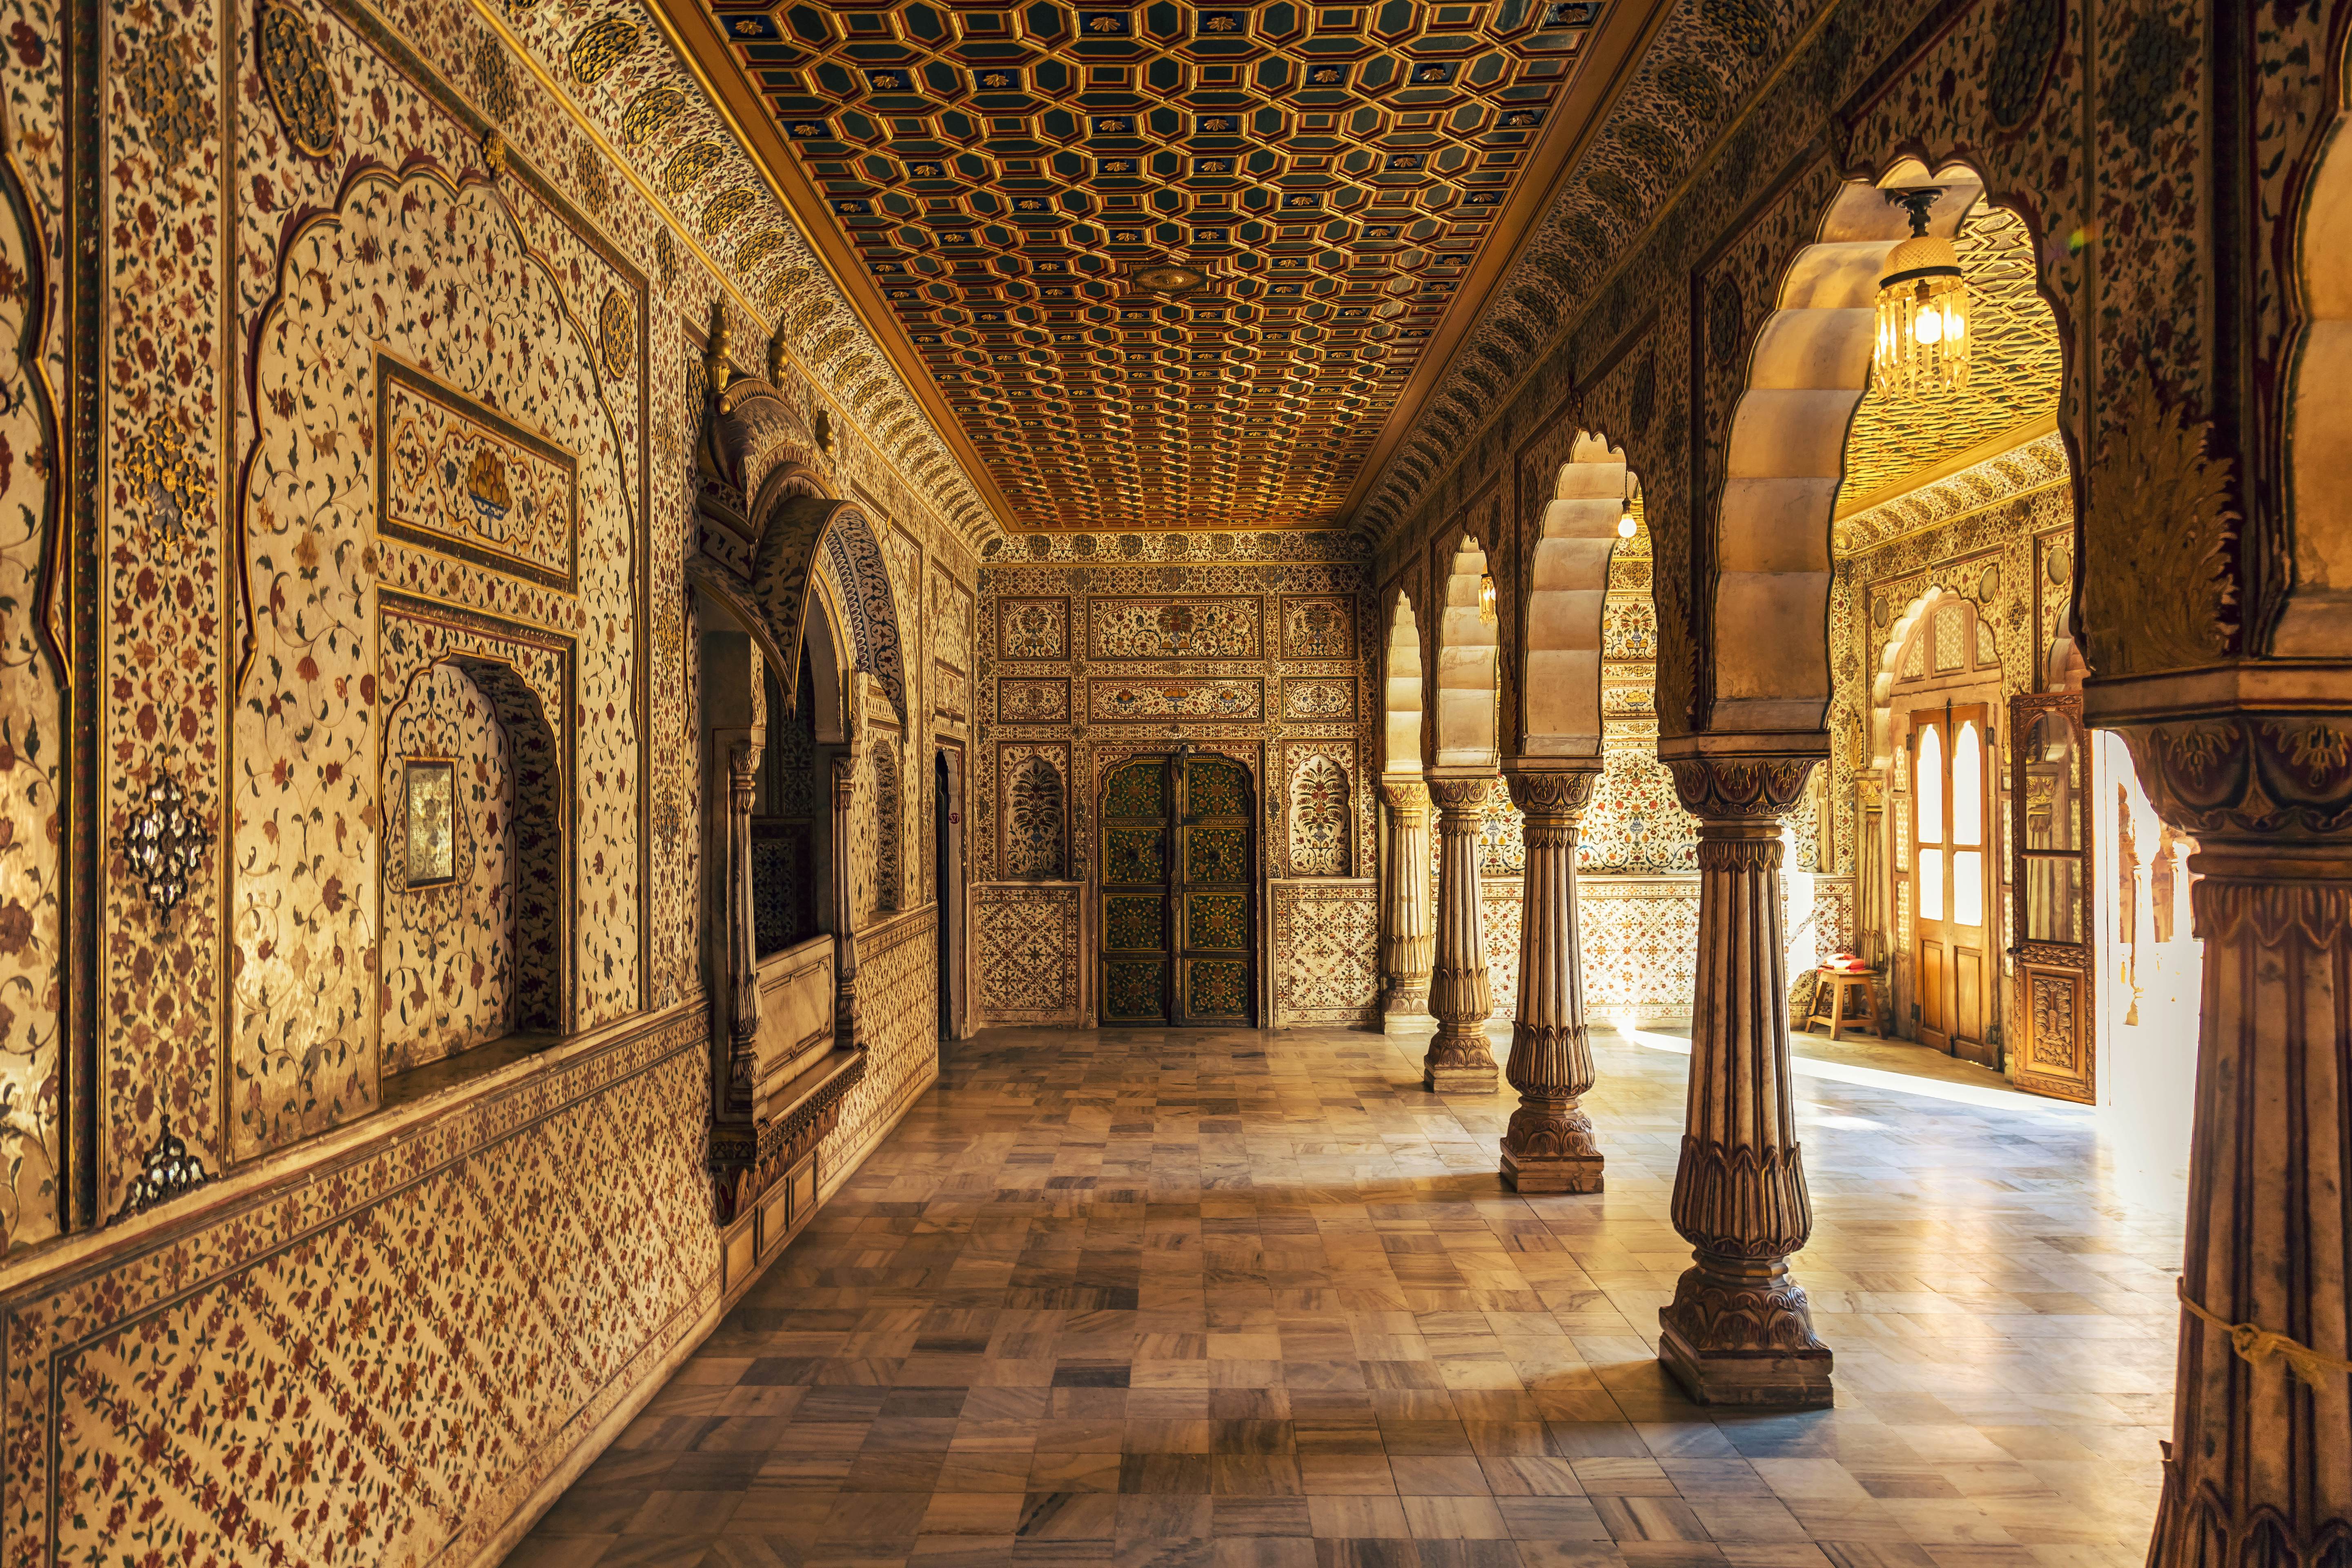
(1253, 1299)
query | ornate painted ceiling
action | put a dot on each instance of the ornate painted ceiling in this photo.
(2014, 370)
(1010, 188)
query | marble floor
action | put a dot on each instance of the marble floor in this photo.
(1242, 1300)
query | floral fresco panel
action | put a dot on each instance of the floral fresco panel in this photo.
(1225, 626)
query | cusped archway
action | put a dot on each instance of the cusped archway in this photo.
(797, 530)
(1400, 693)
(1785, 461)
(2316, 622)
(1468, 666)
(1568, 582)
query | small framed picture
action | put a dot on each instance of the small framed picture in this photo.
(430, 809)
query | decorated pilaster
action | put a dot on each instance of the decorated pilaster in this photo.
(1459, 1060)
(1548, 1146)
(2259, 1471)
(1740, 1330)
(1406, 941)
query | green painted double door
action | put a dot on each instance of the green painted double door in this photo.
(1177, 899)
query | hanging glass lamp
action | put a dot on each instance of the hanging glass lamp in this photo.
(1923, 307)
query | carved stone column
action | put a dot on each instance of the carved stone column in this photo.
(2259, 1470)
(742, 936)
(1548, 1146)
(1740, 1330)
(735, 709)
(1406, 942)
(844, 905)
(1459, 1060)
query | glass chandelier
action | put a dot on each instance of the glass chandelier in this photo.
(1923, 307)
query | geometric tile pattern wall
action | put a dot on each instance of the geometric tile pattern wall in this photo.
(1326, 951)
(1204, 622)
(1027, 953)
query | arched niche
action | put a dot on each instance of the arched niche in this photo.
(1400, 693)
(1786, 458)
(2063, 669)
(474, 946)
(1468, 667)
(1568, 582)
(2316, 622)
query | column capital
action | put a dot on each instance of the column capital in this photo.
(1457, 795)
(1552, 786)
(1755, 778)
(1404, 792)
(2272, 783)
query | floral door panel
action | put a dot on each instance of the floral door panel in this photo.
(1135, 949)
(1217, 893)
(1177, 897)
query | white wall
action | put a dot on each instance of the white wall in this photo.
(2148, 992)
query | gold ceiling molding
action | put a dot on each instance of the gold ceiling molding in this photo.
(2035, 465)
(1896, 443)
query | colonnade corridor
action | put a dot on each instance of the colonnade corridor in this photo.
(1244, 1298)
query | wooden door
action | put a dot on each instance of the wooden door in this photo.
(2051, 882)
(1178, 895)
(1952, 959)
(1215, 895)
(1136, 958)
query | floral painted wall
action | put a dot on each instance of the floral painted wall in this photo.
(1096, 648)
(380, 370)
(34, 652)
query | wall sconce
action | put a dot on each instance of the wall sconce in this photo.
(1486, 597)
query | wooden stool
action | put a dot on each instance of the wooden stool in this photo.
(1831, 989)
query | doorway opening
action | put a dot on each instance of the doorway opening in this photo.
(1179, 923)
(1948, 975)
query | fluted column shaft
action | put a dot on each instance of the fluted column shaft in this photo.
(1740, 1330)
(1548, 1146)
(1460, 997)
(2259, 1471)
(1407, 942)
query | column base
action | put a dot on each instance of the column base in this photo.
(1548, 1147)
(1460, 1061)
(1758, 1379)
(1407, 1024)
(1558, 1174)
